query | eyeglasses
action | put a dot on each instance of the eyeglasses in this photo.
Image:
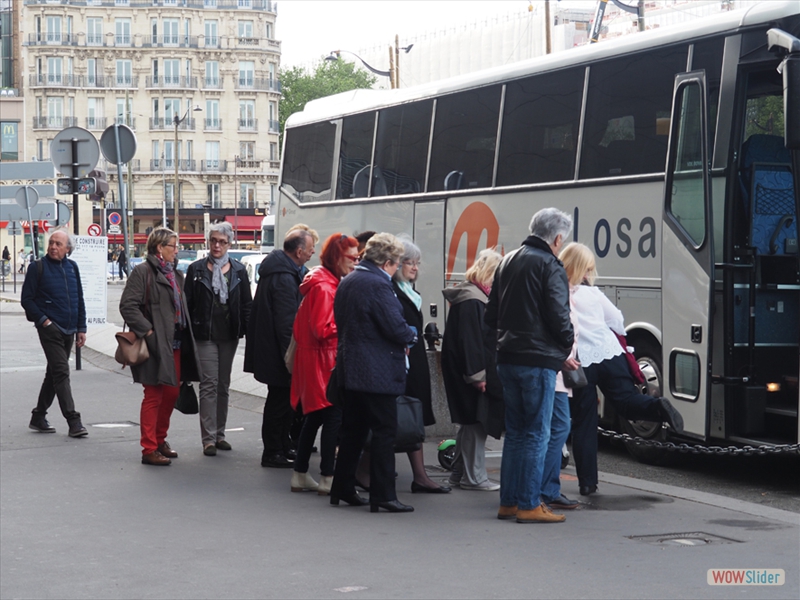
(217, 242)
(352, 258)
(412, 263)
(170, 245)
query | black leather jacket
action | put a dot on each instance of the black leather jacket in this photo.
(200, 298)
(529, 307)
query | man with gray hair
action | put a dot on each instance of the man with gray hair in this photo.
(529, 307)
(269, 334)
(52, 297)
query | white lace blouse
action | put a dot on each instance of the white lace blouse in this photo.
(596, 317)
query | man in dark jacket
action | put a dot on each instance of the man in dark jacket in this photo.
(122, 263)
(52, 297)
(529, 308)
(268, 336)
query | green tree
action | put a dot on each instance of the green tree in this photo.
(299, 87)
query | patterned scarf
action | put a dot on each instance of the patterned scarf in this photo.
(168, 269)
(218, 283)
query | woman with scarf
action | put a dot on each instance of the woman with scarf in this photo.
(218, 296)
(469, 370)
(154, 307)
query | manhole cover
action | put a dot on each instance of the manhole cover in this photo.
(693, 538)
(117, 425)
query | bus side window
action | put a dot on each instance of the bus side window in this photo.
(464, 137)
(541, 118)
(307, 162)
(401, 148)
(355, 154)
(629, 98)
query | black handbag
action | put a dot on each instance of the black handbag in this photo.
(574, 379)
(410, 422)
(187, 400)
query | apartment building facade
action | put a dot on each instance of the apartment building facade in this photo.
(210, 65)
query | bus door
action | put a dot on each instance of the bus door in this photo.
(429, 236)
(687, 255)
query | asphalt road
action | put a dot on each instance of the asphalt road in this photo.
(84, 519)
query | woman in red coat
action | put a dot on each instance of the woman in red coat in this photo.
(315, 357)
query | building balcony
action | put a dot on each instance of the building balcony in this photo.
(212, 83)
(258, 84)
(52, 38)
(259, 5)
(94, 39)
(55, 80)
(123, 81)
(169, 41)
(95, 81)
(129, 121)
(95, 122)
(172, 82)
(275, 164)
(248, 163)
(213, 166)
(168, 164)
(211, 41)
(54, 122)
(212, 124)
(158, 123)
(248, 124)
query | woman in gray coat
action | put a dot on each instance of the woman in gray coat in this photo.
(154, 307)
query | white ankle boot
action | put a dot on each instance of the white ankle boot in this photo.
(325, 483)
(303, 482)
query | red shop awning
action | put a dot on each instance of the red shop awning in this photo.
(245, 222)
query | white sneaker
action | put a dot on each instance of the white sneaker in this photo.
(483, 486)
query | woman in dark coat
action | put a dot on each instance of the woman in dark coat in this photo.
(474, 392)
(371, 367)
(154, 307)
(418, 379)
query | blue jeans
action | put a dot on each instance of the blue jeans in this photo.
(528, 393)
(559, 431)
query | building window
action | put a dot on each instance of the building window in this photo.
(9, 141)
(247, 150)
(170, 27)
(247, 195)
(245, 30)
(246, 73)
(94, 31)
(124, 72)
(273, 151)
(212, 34)
(214, 198)
(212, 74)
(122, 29)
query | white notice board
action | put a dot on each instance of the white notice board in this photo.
(91, 254)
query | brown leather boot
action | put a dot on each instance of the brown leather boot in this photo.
(540, 514)
(156, 459)
(167, 451)
(507, 512)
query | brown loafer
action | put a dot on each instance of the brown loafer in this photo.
(156, 459)
(165, 450)
(540, 514)
(507, 512)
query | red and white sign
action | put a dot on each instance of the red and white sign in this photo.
(44, 226)
(94, 230)
(114, 218)
(24, 224)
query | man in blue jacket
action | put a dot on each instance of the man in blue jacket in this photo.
(529, 308)
(52, 297)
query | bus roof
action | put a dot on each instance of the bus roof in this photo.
(356, 101)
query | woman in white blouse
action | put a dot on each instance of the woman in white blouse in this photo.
(605, 365)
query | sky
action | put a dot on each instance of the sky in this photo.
(311, 29)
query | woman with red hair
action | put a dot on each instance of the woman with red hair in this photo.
(315, 357)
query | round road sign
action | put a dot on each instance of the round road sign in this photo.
(88, 152)
(94, 230)
(127, 144)
(27, 196)
(114, 218)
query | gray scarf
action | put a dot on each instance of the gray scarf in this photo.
(218, 283)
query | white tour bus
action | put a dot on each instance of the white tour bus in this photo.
(668, 149)
(267, 234)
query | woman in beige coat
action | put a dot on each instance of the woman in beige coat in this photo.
(154, 307)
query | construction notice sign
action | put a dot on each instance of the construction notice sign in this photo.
(91, 254)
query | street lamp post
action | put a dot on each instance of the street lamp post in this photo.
(175, 191)
(237, 195)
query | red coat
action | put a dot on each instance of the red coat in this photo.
(316, 336)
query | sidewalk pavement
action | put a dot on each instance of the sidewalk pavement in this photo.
(83, 518)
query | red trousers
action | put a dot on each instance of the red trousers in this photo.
(157, 406)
